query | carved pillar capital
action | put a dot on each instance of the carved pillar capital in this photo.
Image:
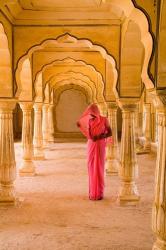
(26, 106)
(51, 106)
(147, 107)
(38, 106)
(112, 105)
(7, 104)
(126, 107)
(103, 108)
(159, 99)
(46, 106)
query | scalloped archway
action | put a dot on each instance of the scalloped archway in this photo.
(67, 40)
(69, 61)
(60, 89)
(78, 82)
(97, 92)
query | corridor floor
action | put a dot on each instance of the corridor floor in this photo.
(54, 212)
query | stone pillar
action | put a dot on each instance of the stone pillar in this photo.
(38, 136)
(136, 126)
(45, 125)
(7, 155)
(147, 127)
(138, 131)
(156, 127)
(140, 117)
(140, 123)
(159, 206)
(28, 167)
(112, 150)
(129, 169)
(51, 123)
(153, 124)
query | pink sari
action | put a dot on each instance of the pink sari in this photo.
(96, 149)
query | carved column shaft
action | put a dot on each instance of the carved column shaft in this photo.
(7, 155)
(136, 125)
(112, 150)
(156, 127)
(45, 125)
(27, 168)
(159, 206)
(147, 126)
(140, 118)
(129, 168)
(140, 124)
(51, 123)
(38, 136)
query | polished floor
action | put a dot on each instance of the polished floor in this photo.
(54, 212)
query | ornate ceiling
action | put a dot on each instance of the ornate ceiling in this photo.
(52, 11)
(54, 4)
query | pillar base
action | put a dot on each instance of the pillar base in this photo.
(112, 167)
(39, 158)
(51, 139)
(7, 195)
(159, 245)
(141, 151)
(38, 155)
(27, 169)
(129, 194)
(147, 146)
(45, 144)
(143, 146)
(8, 201)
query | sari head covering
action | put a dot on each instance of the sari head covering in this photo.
(92, 110)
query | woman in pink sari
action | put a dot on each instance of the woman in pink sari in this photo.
(96, 128)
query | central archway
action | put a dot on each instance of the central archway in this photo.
(79, 98)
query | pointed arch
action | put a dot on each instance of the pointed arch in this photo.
(67, 40)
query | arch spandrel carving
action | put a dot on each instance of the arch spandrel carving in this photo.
(6, 84)
(46, 92)
(25, 93)
(39, 88)
(132, 53)
(161, 71)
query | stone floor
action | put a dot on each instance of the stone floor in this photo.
(55, 213)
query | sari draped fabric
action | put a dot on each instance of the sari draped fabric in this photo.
(91, 127)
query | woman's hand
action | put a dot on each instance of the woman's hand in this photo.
(95, 138)
(98, 137)
(78, 124)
